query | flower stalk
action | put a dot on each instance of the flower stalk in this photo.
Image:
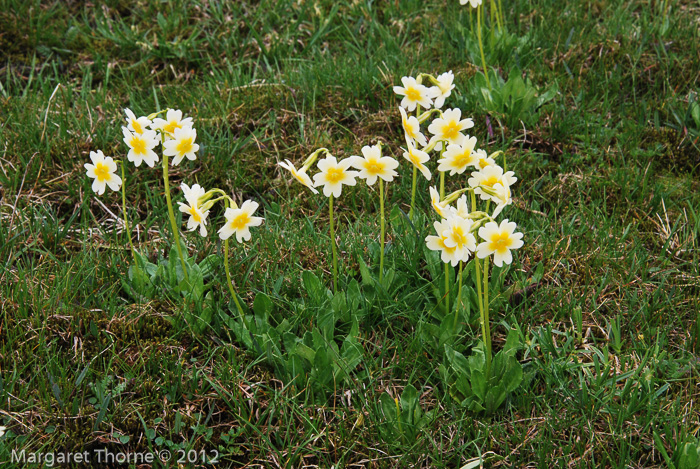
(171, 214)
(126, 219)
(333, 246)
(382, 217)
(479, 13)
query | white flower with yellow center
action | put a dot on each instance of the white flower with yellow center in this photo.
(483, 159)
(141, 147)
(462, 209)
(182, 145)
(173, 120)
(333, 175)
(499, 240)
(102, 170)
(458, 235)
(300, 175)
(413, 94)
(488, 177)
(418, 158)
(449, 127)
(501, 195)
(411, 128)
(239, 220)
(443, 89)
(373, 165)
(456, 158)
(136, 125)
(440, 208)
(473, 3)
(437, 243)
(198, 217)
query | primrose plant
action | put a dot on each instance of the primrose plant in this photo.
(176, 138)
(467, 229)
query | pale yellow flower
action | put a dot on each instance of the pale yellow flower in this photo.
(488, 177)
(239, 220)
(411, 128)
(198, 217)
(418, 158)
(449, 127)
(440, 207)
(173, 120)
(457, 158)
(499, 240)
(443, 89)
(300, 175)
(373, 165)
(141, 147)
(136, 125)
(102, 170)
(182, 145)
(334, 175)
(414, 94)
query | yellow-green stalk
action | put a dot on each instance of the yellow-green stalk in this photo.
(126, 220)
(481, 44)
(381, 209)
(335, 253)
(171, 214)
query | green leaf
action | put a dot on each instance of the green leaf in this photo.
(209, 265)
(326, 323)
(478, 384)
(512, 343)
(262, 306)
(409, 402)
(354, 297)
(388, 406)
(313, 286)
(513, 375)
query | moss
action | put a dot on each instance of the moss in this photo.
(674, 150)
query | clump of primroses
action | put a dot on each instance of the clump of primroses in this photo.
(176, 137)
(467, 227)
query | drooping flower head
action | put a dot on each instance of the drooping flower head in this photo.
(198, 216)
(449, 127)
(437, 243)
(473, 3)
(141, 147)
(103, 170)
(182, 145)
(413, 94)
(373, 165)
(443, 89)
(136, 125)
(440, 207)
(239, 220)
(418, 158)
(411, 128)
(334, 174)
(299, 175)
(462, 209)
(457, 158)
(499, 240)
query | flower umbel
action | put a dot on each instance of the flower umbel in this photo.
(457, 157)
(173, 120)
(449, 127)
(102, 170)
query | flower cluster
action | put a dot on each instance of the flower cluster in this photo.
(458, 152)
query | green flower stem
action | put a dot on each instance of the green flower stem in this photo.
(442, 174)
(230, 282)
(481, 44)
(459, 296)
(487, 324)
(335, 252)
(171, 214)
(413, 193)
(126, 220)
(447, 288)
(500, 19)
(381, 209)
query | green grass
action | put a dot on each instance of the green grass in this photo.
(608, 198)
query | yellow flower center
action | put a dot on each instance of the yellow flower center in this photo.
(240, 222)
(490, 181)
(450, 130)
(334, 175)
(458, 236)
(414, 159)
(184, 146)
(410, 131)
(500, 242)
(102, 172)
(463, 159)
(138, 128)
(171, 126)
(441, 243)
(483, 162)
(138, 145)
(413, 94)
(195, 215)
(374, 167)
